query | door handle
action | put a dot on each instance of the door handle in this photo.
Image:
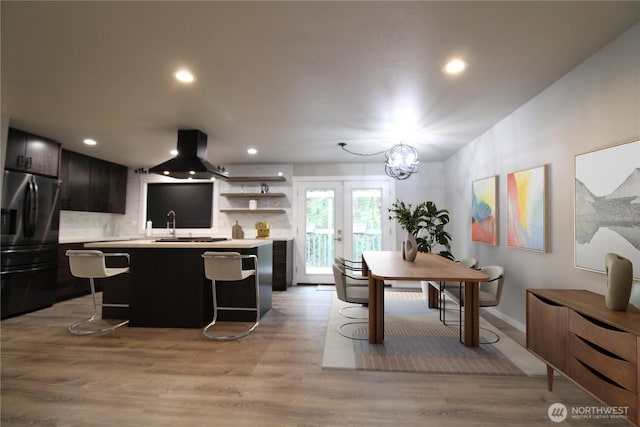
(338, 239)
(31, 209)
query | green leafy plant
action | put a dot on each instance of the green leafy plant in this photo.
(427, 224)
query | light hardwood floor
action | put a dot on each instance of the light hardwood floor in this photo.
(176, 377)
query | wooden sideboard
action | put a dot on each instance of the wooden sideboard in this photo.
(598, 349)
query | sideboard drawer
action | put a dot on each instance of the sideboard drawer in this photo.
(607, 365)
(604, 390)
(614, 340)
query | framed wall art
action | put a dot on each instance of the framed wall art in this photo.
(526, 208)
(484, 214)
(607, 206)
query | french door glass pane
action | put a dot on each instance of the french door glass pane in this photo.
(367, 220)
(320, 226)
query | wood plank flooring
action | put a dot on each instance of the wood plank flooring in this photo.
(273, 377)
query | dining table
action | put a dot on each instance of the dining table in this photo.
(381, 266)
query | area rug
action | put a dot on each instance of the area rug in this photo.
(416, 341)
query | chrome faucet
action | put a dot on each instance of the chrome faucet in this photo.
(171, 223)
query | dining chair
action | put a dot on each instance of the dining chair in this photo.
(354, 294)
(353, 271)
(228, 267)
(490, 292)
(90, 264)
(469, 262)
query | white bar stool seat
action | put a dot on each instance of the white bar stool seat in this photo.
(90, 264)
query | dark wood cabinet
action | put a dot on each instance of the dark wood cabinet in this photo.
(90, 184)
(99, 185)
(598, 349)
(117, 188)
(75, 173)
(282, 264)
(27, 152)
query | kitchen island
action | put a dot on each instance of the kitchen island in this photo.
(166, 286)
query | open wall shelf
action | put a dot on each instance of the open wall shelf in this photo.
(251, 211)
(253, 195)
(256, 178)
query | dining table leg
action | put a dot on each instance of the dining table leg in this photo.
(472, 314)
(376, 311)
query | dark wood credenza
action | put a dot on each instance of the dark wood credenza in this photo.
(598, 349)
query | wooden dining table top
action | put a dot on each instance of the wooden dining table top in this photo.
(389, 265)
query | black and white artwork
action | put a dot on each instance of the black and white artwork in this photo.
(607, 206)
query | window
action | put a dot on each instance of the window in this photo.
(192, 203)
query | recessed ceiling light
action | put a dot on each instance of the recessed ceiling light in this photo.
(90, 141)
(252, 151)
(184, 76)
(173, 152)
(455, 66)
(166, 172)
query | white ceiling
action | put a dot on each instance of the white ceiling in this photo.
(291, 79)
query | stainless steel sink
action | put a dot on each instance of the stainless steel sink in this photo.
(192, 239)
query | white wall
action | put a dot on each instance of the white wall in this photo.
(426, 185)
(595, 105)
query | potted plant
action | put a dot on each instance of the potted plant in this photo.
(426, 225)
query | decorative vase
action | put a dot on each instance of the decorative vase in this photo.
(410, 248)
(619, 280)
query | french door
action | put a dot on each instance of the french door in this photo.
(339, 218)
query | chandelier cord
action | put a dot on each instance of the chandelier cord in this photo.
(344, 144)
(401, 160)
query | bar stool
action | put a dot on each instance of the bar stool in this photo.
(227, 266)
(90, 264)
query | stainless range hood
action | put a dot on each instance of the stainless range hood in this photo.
(191, 161)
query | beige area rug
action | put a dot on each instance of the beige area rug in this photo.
(416, 341)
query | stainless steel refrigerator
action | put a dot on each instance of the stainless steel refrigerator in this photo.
(29, 251)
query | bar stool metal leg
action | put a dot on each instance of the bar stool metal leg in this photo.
(76, 331)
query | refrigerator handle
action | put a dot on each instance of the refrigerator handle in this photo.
(31, 209)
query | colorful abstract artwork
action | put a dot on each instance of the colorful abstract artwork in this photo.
(483, 210)
(526, 211)
(607, 206)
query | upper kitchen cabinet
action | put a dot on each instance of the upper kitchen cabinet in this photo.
(117, 188)
(93, 185)
(31, 153)
(75, 173)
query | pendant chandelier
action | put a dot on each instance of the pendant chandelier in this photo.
(401, 161)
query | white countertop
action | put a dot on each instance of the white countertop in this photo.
(152, 243)
(139, 238)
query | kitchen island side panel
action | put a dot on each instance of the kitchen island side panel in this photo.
(166, 287)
